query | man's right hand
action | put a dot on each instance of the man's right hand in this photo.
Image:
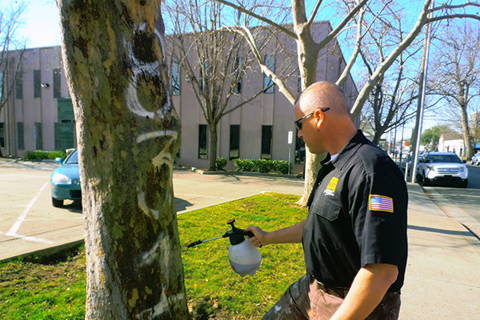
(259, 238)
(292, 234)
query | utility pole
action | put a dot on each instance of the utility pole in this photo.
(423, 82)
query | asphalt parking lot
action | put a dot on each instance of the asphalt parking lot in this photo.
(29, 222)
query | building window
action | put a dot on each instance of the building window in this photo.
(176, 80)
(37, 82)
(202, 142)
(234, 152)
(238, 73)
(57, 83)
(266, 142)
(38, 136)
(268, 85)
(20, 139)
(19, 85)
(2, 135)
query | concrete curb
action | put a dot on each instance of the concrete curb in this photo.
(48, 252)
(248, 174)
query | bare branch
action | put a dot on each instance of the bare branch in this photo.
(245, 32)
(244, 102)
(445, 6)
(342, 24)
(453, 16)
(356, 50)
(261, 18)
(314, 13)
(375, 77)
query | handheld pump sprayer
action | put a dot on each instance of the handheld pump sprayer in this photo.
(244, 257)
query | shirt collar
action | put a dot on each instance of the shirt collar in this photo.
(351, 147)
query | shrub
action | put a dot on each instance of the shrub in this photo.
(220, 163)
(263, 165)
(40, 155)
(245, 165)
(281, 166)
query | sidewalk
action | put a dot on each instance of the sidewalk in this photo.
(443, 274)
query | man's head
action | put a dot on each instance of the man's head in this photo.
(326, 125)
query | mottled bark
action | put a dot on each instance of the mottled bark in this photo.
(127, 136)
(212, 146)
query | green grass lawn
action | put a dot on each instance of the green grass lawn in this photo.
(57, 290)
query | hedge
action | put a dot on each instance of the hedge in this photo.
(40, 155)
(261, 165)
(220, 163)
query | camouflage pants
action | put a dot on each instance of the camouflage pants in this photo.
(307, 299)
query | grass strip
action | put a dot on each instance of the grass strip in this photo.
(57, 290)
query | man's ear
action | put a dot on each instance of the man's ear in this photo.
(319, 116)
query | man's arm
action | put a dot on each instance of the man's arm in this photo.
(367, 290)
(292, 234)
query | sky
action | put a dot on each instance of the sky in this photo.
(40, 28)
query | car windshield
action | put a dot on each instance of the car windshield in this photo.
(72, 159)
(444, 158)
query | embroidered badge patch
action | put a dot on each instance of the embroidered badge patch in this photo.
(331, 187)
(380, 203)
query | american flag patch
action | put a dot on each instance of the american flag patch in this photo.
(380, 203)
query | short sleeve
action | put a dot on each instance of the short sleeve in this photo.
(378, 202)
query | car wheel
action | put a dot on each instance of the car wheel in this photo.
(464, 183)
(57, 203)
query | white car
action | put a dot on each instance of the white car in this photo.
(476, 159)
(442, 168)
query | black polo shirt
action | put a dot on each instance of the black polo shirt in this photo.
(357, 216)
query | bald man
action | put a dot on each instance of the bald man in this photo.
(354, 238)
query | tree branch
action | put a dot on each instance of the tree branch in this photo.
(453, 16)
(445, 6)
(245, 32)
(314, 13)
(261, 18)
(342, 24)
(374, 78)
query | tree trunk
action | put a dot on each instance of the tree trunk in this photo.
(467, 137)
(212, 146)
(376, 137)
(307, 60)
(127, 137)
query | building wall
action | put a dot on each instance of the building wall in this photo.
(457, 146)
(267, 109)
(29, 109)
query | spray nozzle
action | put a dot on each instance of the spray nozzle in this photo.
(236, 235)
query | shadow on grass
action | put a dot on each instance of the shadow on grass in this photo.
(181, 204)
(54, 258)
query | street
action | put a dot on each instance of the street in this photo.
(462, 204)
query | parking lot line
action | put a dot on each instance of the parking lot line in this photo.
(13, 230)
(28, 238)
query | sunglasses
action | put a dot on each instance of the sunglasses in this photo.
(298, 122)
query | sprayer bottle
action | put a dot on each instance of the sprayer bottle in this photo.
(244, 257)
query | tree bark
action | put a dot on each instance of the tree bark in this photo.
(127, 137)
(467, 136)
(212, 146)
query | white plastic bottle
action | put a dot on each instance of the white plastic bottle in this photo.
(245, 258)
